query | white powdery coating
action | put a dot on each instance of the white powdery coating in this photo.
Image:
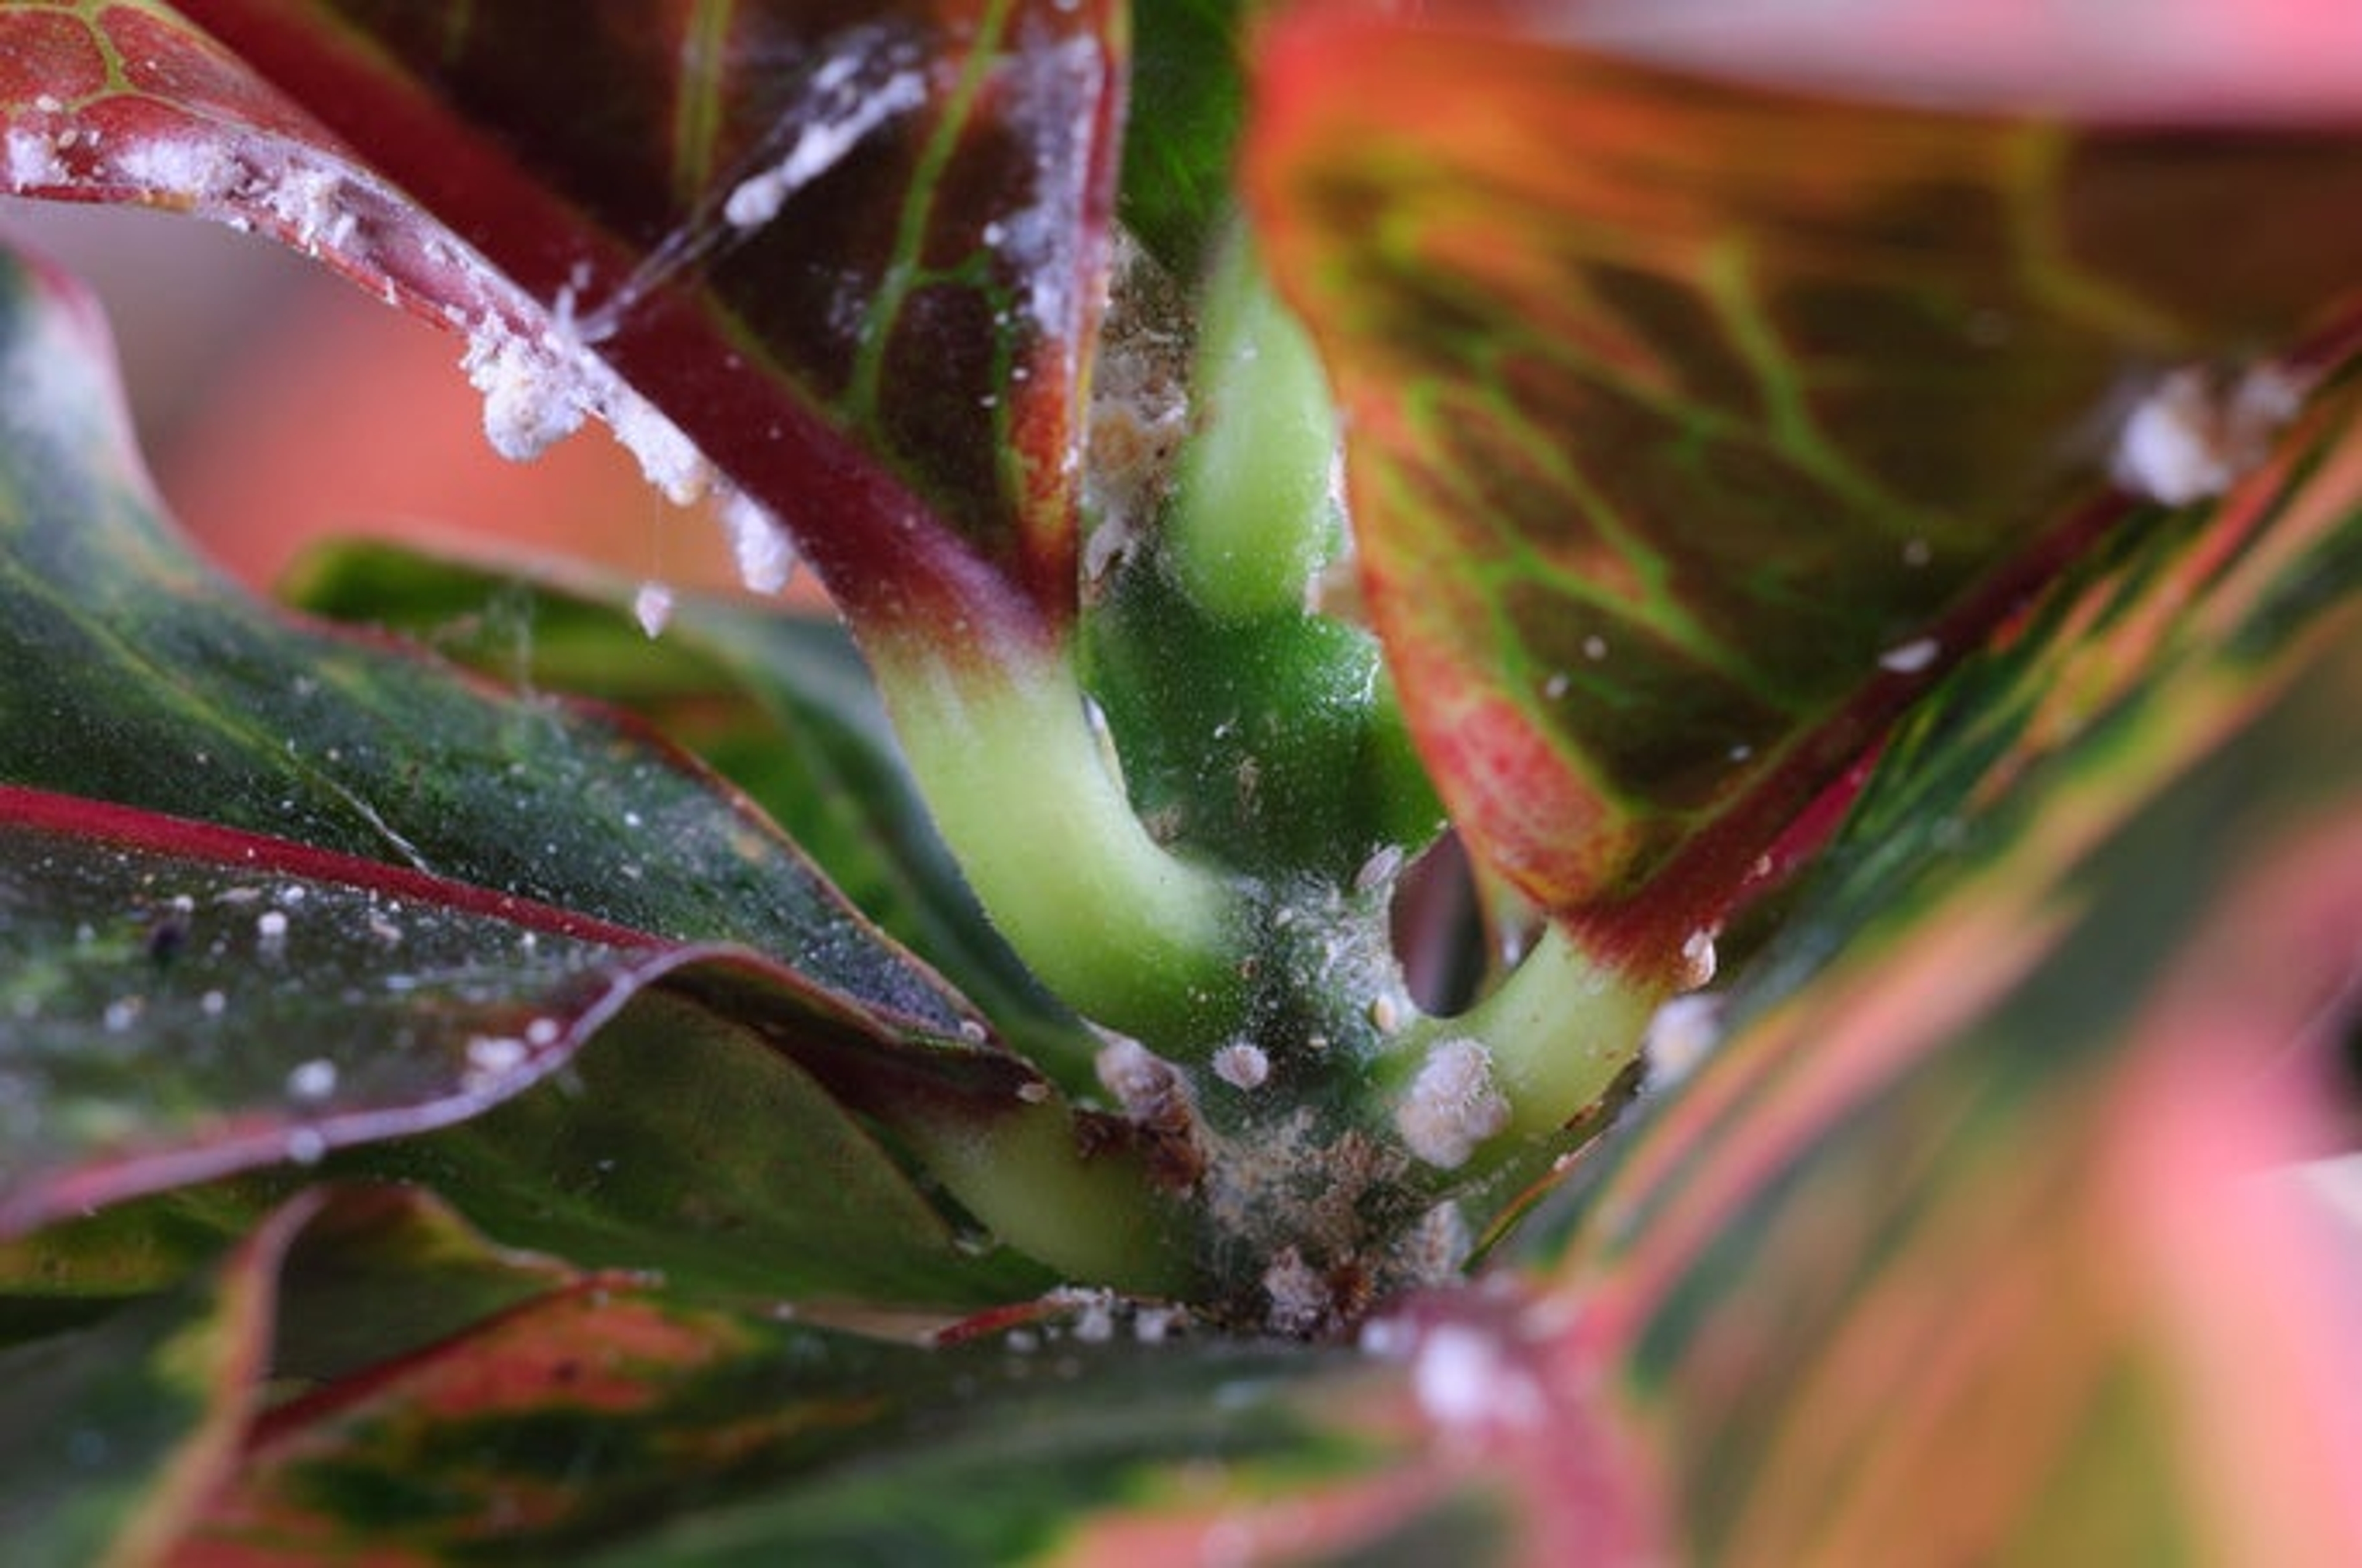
(312, 202)
(820, 146)
(532, 398)
(1299, 1298)
(33, 160)
(200, 170)
(652, 608)
(667, 458)
(538, 392)
(1452, 1105)
(758, 541)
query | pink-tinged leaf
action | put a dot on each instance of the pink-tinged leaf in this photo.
(1696, 425)
(622, 1425)
(1975, 1225)
(117, 101)
(854, 256)
(115, 1436)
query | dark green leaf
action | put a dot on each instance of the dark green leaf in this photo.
(130, 672)
(780, 704)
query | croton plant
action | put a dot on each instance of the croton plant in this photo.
(1181, 1021)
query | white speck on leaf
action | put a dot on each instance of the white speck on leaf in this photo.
(1911, 657)
(1464, 1381)
(312, 1081)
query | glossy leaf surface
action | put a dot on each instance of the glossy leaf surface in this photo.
(132, 673)
(781, 704)
(853, 252)
(1697, 423)
(1972, 1224)
(184, 1003)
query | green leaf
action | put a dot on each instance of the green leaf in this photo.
(856, 256)
(130, 672)
(1978, 1220)
(780, 704)
(681, 1141)
(1697, 423)
(185, 1003)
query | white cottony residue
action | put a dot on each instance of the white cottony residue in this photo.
(821, 141)
(539, 390)
(271, 930)
(532, 397)
(668, 460)
(33, 160)
(1911, 657)
(1242, 1066)
(759, 542)
(2192, 438)
(313, 203)
(652, 608)
(201, 171)
(1298, 1297)
(1451, 1106)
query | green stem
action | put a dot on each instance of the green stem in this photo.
(1559, 1030)
(1031, 803)
(1095, 1219)
(1253, 519)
